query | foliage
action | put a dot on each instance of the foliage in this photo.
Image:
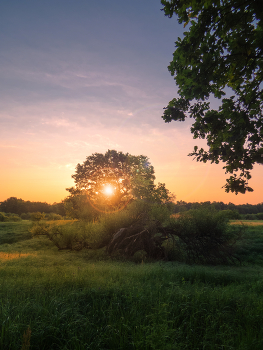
(129, 176)
(9, 217)
(205, 236)
(77, 206)
(13, 217)
(221, 49)
(53, 216)
(231, 214)
(19, 206)
(37, 216)
(25, 216)
(64, 235)
(258, 216)
(138, 238)
(180, 206)
(77, 235)
(197, 235)
(145, 234)
(3, 217)
(139, 217)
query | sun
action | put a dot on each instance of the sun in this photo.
(108, 190)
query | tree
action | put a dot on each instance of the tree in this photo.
(109, 181)
(221, 54)
(19, 206)
(12, 205)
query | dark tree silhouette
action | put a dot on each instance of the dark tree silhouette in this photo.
(221, 48)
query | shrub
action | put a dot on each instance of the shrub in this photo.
(230, 214)
(139, 213)
(139, 256)
(25, 216)
(37, 216)
(3, 217)
(79, 207)
(205, 236)
(160, 213)
(110, 223)
(99, 233)
(14, 218)
(65, 236)
(40, 228)
(250, 217)
(9, 217)
(53, 216)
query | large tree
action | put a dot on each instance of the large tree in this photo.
(109, 181)
(221, 55)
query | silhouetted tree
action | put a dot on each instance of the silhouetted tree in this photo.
(129, 176)
(221, 48)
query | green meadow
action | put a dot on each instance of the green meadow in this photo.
(52, 299)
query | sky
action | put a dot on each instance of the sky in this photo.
(81, 77)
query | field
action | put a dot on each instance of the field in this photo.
(52, 299)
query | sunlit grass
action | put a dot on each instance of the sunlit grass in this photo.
(247, 222)
(11, 256)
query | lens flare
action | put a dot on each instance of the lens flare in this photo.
(108, 190)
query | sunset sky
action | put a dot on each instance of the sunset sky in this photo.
(80, 77)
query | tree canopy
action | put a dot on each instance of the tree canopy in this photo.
(109, 181)
(221, 55)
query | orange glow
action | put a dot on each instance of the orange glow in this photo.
(108, 190)
(189, 180)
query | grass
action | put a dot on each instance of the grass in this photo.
(12, 232)
(247, 222)
(52, 299)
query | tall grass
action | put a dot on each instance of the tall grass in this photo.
(54, 299)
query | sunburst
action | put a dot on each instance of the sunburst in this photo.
(108, 190)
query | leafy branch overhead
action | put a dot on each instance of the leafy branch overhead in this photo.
(221, 55)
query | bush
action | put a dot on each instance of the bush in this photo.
(110, 223)
(230, 214)
(205, 236)
(79, 207)
(99, 233)
(37, 216)
(40, 228)
(14, 218)
(250, 217)
(9, 217)
(53, 216)
(40, 216)
(3, 217)
(25, 216)
(65, 236)
(139, 256)
(160, 213)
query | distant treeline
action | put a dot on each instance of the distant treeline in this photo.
(242, 209)
(19, 206)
